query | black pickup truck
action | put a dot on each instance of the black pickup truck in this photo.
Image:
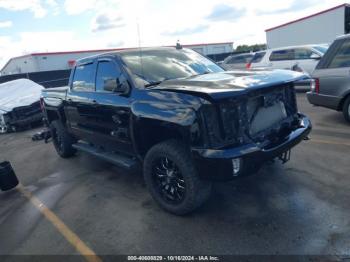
(183, 117)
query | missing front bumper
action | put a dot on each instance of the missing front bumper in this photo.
(217, 164)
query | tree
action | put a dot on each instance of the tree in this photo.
(251, 48)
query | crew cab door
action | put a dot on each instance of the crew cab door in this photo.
(80, 104)
(112, 107)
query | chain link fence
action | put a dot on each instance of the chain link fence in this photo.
(47, 79)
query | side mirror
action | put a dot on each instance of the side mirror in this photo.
(315, 56)
(118, 85)
(122, 87)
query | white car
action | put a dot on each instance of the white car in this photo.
(19, 104)
(296, 58)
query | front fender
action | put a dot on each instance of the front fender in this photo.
(172, 113)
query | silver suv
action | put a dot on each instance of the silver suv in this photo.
(297, 58)
(332, 78)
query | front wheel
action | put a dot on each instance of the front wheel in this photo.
(346, 109)
(172, 179)
(61, 139)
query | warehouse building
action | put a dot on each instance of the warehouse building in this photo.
(40, 62)
(319, 28)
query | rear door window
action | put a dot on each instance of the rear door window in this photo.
(342, 56)
(282, 55)
(237, 60)
(84, 78)
(302, 53)
(247, 58)
(258, 57)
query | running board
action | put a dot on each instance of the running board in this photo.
(112, 157)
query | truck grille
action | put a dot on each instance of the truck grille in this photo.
(268, 110)
(252, 116)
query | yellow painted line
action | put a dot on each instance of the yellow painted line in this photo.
(68, 234)
(329, 142)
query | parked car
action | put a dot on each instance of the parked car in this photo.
(332, 78)
(240, 61)
(296, 58)
(180, 115)
(19, 104)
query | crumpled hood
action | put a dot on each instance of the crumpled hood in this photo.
(20, 92)
(230, 83)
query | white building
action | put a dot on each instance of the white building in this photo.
(38, 62)
(212, 48)
(319, 28)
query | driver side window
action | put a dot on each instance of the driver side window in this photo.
(107, 76)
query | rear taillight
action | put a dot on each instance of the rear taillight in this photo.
(248, 65)
(317, 85)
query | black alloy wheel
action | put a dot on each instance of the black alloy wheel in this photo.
(169, 180)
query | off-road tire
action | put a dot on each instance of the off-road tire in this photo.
(62, 140)
(346, 109)
(197, 190)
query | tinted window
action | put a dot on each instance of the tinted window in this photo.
(228, 60)
(161, 64)
(258, 57)
(302, 53)
(342, 57)
(328, 56)
(106, 77)
(321, 48)
(84, 78)
(281, 55)
(237, 60)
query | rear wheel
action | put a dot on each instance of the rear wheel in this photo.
(346, 109)
(172, 178)
(61, 139)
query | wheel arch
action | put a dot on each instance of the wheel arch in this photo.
(342, 101)
(149, 132)
(55, 114)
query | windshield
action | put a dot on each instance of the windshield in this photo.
(321, 48)
(164, 64)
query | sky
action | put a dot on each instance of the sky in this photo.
(28, 26)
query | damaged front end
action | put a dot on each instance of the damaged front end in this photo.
(260, 116)
(251, 129)
(20, 117)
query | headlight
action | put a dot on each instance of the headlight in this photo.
(2, 119)
(221, 123)
(236, 166)
(3, 126)
(210, 118)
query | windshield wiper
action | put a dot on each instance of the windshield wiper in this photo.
(204, 73)
(153, 83)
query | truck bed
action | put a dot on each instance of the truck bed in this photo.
(56, 92)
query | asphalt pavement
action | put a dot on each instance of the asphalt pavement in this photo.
(299, 208)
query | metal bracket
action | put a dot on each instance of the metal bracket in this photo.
(285, 157)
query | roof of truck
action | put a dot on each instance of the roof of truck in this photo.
(123, 51)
